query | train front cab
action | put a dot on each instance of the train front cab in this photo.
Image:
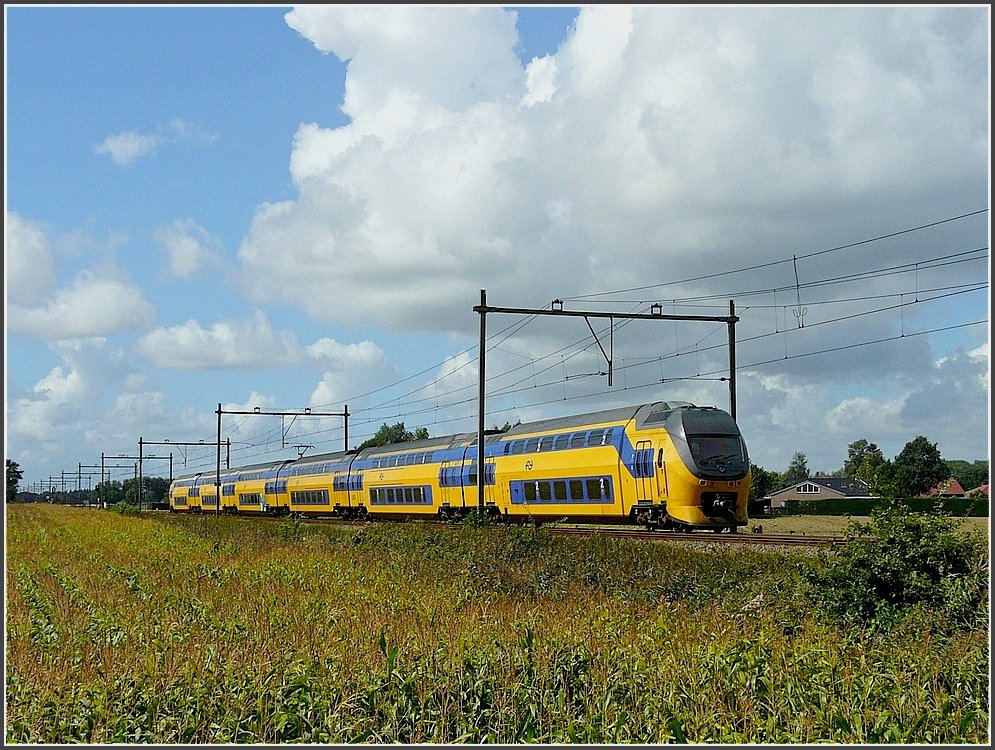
(695, 461)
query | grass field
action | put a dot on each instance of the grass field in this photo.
(805, 524)
(172, 629)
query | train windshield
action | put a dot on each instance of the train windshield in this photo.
(708, 449)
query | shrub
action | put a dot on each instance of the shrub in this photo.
(901, 560)
(124, 508)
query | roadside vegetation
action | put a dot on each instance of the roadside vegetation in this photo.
(158, 628)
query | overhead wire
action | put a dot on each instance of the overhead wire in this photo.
(512, 329)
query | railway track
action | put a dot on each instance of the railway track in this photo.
(697, 537)
(777, 540)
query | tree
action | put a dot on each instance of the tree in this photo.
(970, 475)
(396, 433)
(919, 467)
(902, 559)
(862, 460)
(797, 470)
(884, 481)
(14, 477)
(762, 483)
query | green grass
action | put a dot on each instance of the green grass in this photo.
(177, 629)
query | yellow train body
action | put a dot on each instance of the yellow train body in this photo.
(664, 464)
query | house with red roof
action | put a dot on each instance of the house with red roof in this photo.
(947, 488)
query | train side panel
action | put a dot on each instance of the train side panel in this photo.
(180, 500)
(572, 475)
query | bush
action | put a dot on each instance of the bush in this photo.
(902, 560)
(125, 508)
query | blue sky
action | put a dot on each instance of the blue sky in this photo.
(298, 207)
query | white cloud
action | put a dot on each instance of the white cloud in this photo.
(189, 248)
(66, 407)
(226, 344)
(677, 138)
(540, 81)
(28, 263)
(657, 144)
(127, 147)
(91, 306)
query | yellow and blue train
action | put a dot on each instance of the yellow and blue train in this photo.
(667, 464)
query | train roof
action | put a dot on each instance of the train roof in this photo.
(618, 414)
(649, 413)
(226, 471)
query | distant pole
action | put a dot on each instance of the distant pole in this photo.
(732, 359)
(345, 414)
(217, 484)
(480, 399)
(140, 475)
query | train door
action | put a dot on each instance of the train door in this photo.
(471, 493)
(449, 484)
(648, 476)
(340, 490)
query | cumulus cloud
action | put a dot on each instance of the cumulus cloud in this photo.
(189, 248)
(540, 81)
(657, 147)
(640, 147)
(28, 261)
(226, 344)
(64, 397)
(785, 413)
(127, 147)
(92, 305)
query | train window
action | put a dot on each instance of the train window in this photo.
(531, 491)
(532, 445)
(544, 492)
(596, 438)
(560, 490)
(409, 496)
(578, 439)
(518, 446)
(594, 487)
(576, 489)
(561, 442)
(546, 444)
